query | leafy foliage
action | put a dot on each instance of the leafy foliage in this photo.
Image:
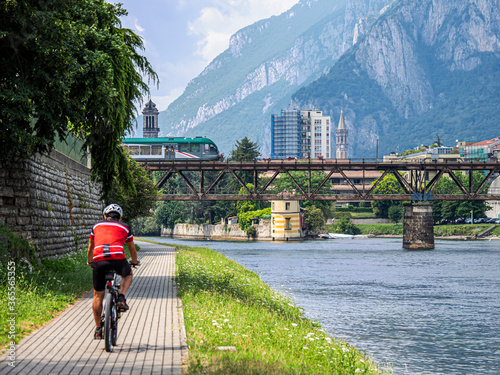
(169, 213)
(67, 66)
(245, 150)
(388, 185)
(245, 218)
(452, 210)
(396, 213)
(346, 226)
(146, 226)
(314, 219)
(138, 202)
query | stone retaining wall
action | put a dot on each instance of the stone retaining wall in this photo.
(217, 232)
(51, 202)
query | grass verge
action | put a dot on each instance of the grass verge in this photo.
(36, 290)
(465, 230)
(236, 324)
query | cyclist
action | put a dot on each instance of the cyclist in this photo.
(106, 252)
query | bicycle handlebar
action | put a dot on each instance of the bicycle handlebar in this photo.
(132, 264)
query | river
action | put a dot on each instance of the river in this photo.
(423, 312)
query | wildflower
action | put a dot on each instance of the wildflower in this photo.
(294, 324)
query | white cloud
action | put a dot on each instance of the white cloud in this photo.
(222, 18)
(138, 27)
(162, 102)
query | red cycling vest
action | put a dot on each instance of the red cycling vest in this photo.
(109, 237)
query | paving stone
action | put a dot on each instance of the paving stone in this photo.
(151, 335)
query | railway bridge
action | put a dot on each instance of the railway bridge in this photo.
(313, 180)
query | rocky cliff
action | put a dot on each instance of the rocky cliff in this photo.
(264, 65)
(422, 68)
(403, 71)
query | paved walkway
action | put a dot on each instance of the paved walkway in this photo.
(151, 335)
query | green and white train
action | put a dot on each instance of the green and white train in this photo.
(172, 148)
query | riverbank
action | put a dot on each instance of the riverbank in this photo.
(232, 232)
(460, 232)
(236, 324)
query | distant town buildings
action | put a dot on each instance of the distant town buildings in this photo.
(488, 150)
(303, 134)
(150, 121)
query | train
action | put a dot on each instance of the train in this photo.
(172, 148)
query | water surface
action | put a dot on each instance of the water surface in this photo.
(425, 312)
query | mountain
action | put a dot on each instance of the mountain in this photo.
(265, 64)
(421, 70)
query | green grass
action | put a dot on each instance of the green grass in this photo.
(41, 291)
(227, 305)
(43, 288)
(363, 215)
(460, 230)
(465, 230)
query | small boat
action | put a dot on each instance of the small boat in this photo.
(324, 236)
(341, 235)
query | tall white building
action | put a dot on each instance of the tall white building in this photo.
(316, 134)
(300, 134)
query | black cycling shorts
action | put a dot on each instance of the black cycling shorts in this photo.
(121, 266)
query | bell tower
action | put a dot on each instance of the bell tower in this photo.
(341, 138)
(150, 127)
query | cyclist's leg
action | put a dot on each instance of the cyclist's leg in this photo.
(97, 306)
(98, 277)
(123, 268)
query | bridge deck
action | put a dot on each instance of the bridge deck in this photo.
(151, 335)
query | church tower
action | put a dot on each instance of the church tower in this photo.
(341, 135)
(150, 127)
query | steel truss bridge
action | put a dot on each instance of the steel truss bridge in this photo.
(209, 180)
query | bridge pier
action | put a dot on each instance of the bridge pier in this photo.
(418, 227)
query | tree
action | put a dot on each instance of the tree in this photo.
(285, 183)
(246, 205)
(169, 213)
(346, 226)
(139, 202)
(314, 219)
(146, 226)
(67, 66)
(395, 213)
(245, 150)
(452, 210)
(389, 185)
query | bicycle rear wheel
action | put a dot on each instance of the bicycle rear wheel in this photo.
(114, 325)
(108, 322)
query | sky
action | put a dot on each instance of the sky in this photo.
(182, 37)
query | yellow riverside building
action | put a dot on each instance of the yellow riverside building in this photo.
(286, 220)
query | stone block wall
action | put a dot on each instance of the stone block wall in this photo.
(51, 202)
(217, 232)
(418, 227)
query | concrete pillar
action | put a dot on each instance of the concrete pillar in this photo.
(418, 229)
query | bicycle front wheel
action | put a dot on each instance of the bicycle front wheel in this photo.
(108, 321)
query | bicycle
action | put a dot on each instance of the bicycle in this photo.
(110, 313)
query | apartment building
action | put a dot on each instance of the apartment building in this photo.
(300, 134)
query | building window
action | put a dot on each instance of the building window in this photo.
(288, 225)
(287, 206)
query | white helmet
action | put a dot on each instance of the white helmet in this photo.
(113, 208)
